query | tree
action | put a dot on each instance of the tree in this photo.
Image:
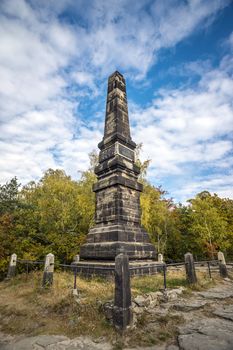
(52, 215)
(59, 213)
(156, 215)
(9, 202)
(9, 196)
(208, 223)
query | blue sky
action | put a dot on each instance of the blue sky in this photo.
(176, 56)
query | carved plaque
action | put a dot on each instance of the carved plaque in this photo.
(126, 152)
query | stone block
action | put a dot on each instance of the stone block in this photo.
(190, 269)
(122, 315)
(222, 265)
(12, 266)
(48, 270)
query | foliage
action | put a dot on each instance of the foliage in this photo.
(211, 223)
(9, 196)
(55, 214)
(155, 215)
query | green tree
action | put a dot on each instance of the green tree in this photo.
(9, 196)
(209, 224)
(156, 215)
(59, 216)
(9, 203)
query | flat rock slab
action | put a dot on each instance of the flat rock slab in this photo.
(154, 347)
(216, 293)
(189, 306)
(52, 342)
(203, 334)
(225, 312)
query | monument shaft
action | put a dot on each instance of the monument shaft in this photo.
(117, 214)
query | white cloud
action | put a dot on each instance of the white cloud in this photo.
(188, 131)
(221, 184)
(53, 54)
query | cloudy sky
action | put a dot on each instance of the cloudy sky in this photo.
(176, 56)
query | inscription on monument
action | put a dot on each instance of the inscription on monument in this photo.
(126, 152)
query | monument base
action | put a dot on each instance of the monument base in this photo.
(106, 241)
(92, 268)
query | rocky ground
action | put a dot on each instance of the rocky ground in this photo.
(207, 323)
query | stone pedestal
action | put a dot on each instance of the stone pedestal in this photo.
(117, 212)
(89, 268)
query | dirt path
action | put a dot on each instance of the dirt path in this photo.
(207, 325)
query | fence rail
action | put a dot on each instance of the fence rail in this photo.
(32, 262)
(150, 269)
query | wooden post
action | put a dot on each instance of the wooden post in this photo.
(48, 270)
(12, 266)
(190, 269)
(122, 313)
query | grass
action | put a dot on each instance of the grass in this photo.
(147, 284)
(27, 308)
(175, 279)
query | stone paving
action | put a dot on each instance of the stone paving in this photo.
(208, 325)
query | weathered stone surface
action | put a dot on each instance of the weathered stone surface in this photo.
(172, 294)
(46, 340)
(211, 334)
(118, 213)
(142, 301)
(198, 341)
(190, 306)
(137, 309)
(108, 308)
(34, 343)
(225, 312)
(172, 347)
(150, 301)
(53, 342)
(154, 347)
(216, 293)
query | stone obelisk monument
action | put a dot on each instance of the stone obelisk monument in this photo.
(117, 214)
